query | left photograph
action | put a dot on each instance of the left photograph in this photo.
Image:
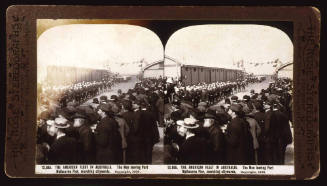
(95, 104)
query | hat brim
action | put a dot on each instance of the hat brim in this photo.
(79, 116)
(209, 117)
(191, 127)
(61, 127)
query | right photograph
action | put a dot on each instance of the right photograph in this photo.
(228, 95)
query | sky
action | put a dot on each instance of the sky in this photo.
(221, 45)
(94, 45)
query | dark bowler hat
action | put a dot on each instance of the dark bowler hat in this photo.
(65, 112)
(79, 114)
(234, 98)
(105, 107)
(236, 107)
(95, 100)
(210, 114)
(113, 97)
(246, 97)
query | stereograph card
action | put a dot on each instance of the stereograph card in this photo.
(162, 92)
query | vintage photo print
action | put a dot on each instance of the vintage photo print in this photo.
(181, 97)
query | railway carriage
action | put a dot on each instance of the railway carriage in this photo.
(59, 75)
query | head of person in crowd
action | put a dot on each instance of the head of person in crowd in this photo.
(95, 101)
(103, 99)
(255, 96)
(43, 118)
(127, 105)
(51, 130)
(115, 107)
(258, 105)
(143, 104)
(236, 110)
(119, 92)
(234, 99)
(104, 110)
(186, 127)
(252, 92)
(79, 119)
(246, 98)
(209, 118)
(57, 126)
(65, 112)
(113, 98)
(246, 110)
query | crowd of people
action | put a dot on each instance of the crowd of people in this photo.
(254, 129)
(122, 128)
(203, 124)
(78, 92)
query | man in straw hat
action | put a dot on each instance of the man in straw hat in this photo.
(194, 149)
(64, 149)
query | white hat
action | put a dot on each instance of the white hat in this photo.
(180, 122)
(50, 122)
(61, 123)
(190, 123)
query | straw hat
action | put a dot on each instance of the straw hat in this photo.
(188, 123)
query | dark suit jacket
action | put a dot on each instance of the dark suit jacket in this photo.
(148, 129)
(239, 142)
(86, 145)
(193, 151)
(63, 151)
(216, 143)
(108, 142)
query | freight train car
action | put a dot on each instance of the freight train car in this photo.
(64, 75)
(191, 75)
